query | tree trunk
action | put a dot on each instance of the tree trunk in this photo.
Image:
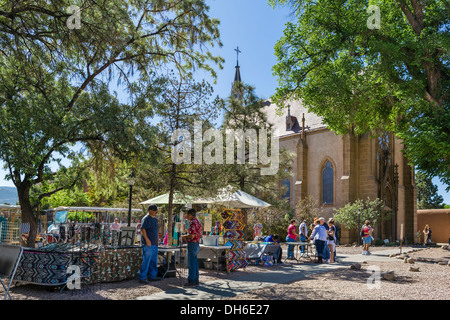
(23, 191)
(170, 206)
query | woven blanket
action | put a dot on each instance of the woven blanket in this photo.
(43, 268)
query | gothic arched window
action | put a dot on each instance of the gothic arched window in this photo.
(328, 183)
(287, 184)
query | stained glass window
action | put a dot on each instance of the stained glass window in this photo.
(287, 184)
(327, 184)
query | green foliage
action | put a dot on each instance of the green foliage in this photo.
(308, 209)
(80, 216)
(372, 210)
(272, 219)
(55, 99)
(358, 79)
(247, 112)
(427, 196)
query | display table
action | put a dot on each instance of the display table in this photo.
(255, 251)
(180, 259)
(212, 252)
(308, 250)
(116, 264)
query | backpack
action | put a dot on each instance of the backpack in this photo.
(362, 232)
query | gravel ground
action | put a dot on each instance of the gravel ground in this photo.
(430, 283)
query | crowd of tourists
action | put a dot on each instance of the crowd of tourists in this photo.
(324, 235)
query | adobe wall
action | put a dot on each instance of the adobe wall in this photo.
(439, 222)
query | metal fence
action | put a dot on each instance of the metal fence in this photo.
(10, 232)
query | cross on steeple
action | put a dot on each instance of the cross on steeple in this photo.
(237, 77)
(237, 54)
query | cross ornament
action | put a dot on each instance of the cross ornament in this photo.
(237, 54)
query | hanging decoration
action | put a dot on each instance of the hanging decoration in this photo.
(233, 232)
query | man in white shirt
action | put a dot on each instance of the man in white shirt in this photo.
(303, 232)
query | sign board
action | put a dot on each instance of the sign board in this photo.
(127, 236)
(207, 222)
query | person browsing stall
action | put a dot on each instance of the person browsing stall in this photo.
(319, 235)
(193, 237)
(278, 254)
(149, 267)
(303, 232)
(291, 237)
(115, 225)
(331, 239)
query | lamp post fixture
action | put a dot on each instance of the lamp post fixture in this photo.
(359, 226)
(131, 180)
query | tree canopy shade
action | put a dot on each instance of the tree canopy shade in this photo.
(427, 196)
(392, 78)
(54, 81)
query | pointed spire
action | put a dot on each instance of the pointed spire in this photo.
(237, 76)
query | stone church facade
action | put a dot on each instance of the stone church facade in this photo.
(338, 169)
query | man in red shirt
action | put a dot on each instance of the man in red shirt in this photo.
(193, 237)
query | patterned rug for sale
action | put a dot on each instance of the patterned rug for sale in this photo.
(49, 265)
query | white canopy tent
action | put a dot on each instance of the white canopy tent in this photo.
(227, 197)
(178, 198)
(238, 199)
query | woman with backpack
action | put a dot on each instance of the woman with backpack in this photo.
(366, 233)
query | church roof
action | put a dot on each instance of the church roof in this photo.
(296, 111)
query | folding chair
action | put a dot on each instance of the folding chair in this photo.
(9, 260)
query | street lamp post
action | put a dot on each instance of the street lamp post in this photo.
(359, 230)
(131, 180)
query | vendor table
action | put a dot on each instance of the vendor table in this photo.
(308, 250)
(48, 265)
(215, 249)
(257, 250)
(180, 253)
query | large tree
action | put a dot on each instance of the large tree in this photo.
(369, 73)
(185, 105)
(427, 193)
(54, 81)
(244, 110)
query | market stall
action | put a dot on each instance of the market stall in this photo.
(232, 201)
(223, 242)
(101, 253)
(176, 254)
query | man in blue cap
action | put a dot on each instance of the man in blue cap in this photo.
(149, 239)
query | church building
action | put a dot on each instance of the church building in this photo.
(339, 169)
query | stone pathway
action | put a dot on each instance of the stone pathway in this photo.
(288, 272)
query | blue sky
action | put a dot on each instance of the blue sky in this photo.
(254, 27)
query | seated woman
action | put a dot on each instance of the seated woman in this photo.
(278, 254)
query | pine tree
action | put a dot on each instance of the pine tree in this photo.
(427, 196)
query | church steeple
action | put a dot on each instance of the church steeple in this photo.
(237, 75)
(237, 78)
